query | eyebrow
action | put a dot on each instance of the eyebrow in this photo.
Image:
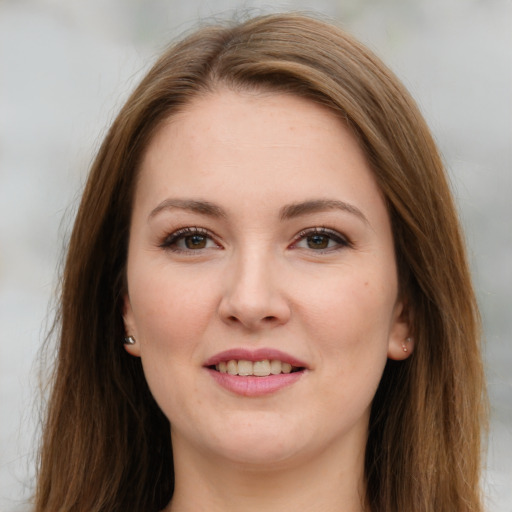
(287, 212)
(320, 205)
(195, 206)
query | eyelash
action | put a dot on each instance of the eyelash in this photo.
(340, 240)
(171, 241)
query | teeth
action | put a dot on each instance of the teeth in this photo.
(286, 367)
(261, 368)
(245, 367)
(232, 367)
(275, 367)
(258, 368)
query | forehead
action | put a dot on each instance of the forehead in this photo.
(255, 145)
(270, 119)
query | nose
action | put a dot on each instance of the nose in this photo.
(253, 297)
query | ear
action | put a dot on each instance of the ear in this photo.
(401, 343)
(130, 327)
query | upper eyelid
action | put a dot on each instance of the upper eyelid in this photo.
(169, 238)
(340, 238)
(189, 230)
(321, 230)
(175, 235)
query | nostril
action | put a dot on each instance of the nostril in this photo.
(266, 319)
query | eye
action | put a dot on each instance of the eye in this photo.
(320, 239)
(189, 239)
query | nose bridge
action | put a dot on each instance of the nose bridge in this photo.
(253, 296)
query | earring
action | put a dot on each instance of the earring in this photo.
(129, 340)
(404, 344)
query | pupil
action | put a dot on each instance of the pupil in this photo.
(318, 241)
(195, 242)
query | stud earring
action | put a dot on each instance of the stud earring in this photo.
(129, 340)
(404, 344)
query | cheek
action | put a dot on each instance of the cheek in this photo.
(350, 319)
(169, 305)
(350, 323)
(170, 317)
(350, 308)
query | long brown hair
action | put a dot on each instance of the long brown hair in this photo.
(106, 445)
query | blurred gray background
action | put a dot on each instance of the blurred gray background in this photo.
(66, 67)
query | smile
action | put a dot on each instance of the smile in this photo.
(262, 368)
(255, 372)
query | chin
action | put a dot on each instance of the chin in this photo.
(271, 453)
(261, 442)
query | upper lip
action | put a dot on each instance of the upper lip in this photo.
(260, 354)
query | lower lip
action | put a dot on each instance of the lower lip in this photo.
(255, 386)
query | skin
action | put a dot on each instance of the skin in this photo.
(255, 279)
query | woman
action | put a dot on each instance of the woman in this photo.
(269, 229)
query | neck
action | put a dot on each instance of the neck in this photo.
(327, 483)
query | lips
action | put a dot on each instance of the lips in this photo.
(255, 372)
(253, 356)
(262, 368)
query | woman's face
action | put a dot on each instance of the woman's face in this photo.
(260, 243)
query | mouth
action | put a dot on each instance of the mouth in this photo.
(261, 368)
(255, 373)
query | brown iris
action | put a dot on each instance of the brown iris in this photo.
(195, 241)
(318, 241)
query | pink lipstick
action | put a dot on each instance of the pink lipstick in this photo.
(254, 372)
(260, 354)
